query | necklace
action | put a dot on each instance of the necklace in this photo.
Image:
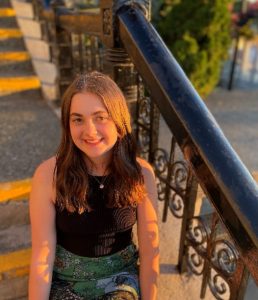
(101, 183)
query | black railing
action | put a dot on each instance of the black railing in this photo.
(110, 39)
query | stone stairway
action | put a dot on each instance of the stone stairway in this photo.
(29, 133)
(16, 75)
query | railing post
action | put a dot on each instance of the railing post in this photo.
(117, 62)
(61, 50)
(189, 206)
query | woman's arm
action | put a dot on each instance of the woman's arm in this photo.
(43, 233)
(148, 237)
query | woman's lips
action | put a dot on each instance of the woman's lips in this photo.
(92, 142)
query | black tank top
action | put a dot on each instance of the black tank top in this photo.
(99, 232)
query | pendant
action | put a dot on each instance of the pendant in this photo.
(101, 186)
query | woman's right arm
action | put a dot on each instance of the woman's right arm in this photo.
(43, 232)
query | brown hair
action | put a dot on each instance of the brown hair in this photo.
(71, 171)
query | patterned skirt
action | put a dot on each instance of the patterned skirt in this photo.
(112, 277)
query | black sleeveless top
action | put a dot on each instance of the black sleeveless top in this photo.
(101, 231)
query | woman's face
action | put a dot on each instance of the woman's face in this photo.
(92, 129)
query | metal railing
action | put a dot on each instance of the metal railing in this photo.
(117, 38)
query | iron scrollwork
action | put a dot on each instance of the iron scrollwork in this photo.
(198, 233)
(176, 204)
(224, 259)
(144, 111)
(218, 286)
(107, 21)
(197, 236)
(225, 256)
(194, 261)
(160, 165)
(160, 162)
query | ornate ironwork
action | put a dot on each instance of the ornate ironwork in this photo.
(198, 234)
(107, 21)
(176, 204)
(195, 261)
(223, 263)
(224, 256)
(219, 286)
(216, 259)
(161, 189)
(179, 174)
(143, 141)
(144, 112)
(160, 162)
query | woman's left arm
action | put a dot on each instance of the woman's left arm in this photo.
(148, 237)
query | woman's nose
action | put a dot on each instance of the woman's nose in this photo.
(90, 128)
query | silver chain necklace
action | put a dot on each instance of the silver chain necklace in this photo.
(101, 183)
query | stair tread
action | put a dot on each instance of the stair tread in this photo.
(15, 263)
(5, 4)
(14, 238)
(16, 69)
(17, 83)
(12, 45)
(9, 22)
(15, 189)
(10, 33)
(14, 55)
(7, 12)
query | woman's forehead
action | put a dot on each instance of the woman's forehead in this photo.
(88, 103)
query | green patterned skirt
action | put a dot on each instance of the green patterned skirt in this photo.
(103, 278)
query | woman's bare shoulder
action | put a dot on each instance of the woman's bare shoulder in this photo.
(147, 169)
(45, 171)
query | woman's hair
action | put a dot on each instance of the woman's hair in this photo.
(126, 185)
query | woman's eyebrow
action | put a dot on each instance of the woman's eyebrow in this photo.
(93, 114)
(76, 114)
(100, 112)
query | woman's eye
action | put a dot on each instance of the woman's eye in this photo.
(77, 121)
(101, 118)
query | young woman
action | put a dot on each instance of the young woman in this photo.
(85, 201)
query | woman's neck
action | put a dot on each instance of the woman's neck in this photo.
(97, 168)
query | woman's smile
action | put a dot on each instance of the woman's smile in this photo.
(92, 143)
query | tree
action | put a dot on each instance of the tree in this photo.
(198, 35)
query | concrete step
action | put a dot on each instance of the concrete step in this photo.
(15, 241)
(15, 63)
(12, 45)
(15, 238)
(14, 205)
(14, 270)
(7, 12)
(18, 69)
(38, 49)
(7, 22)
(13, 56)
(5, 4)
(6, 33)
(10, 85)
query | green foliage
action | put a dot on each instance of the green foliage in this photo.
(247, 30)
(198, 34)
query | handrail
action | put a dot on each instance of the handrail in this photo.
(220, 171)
